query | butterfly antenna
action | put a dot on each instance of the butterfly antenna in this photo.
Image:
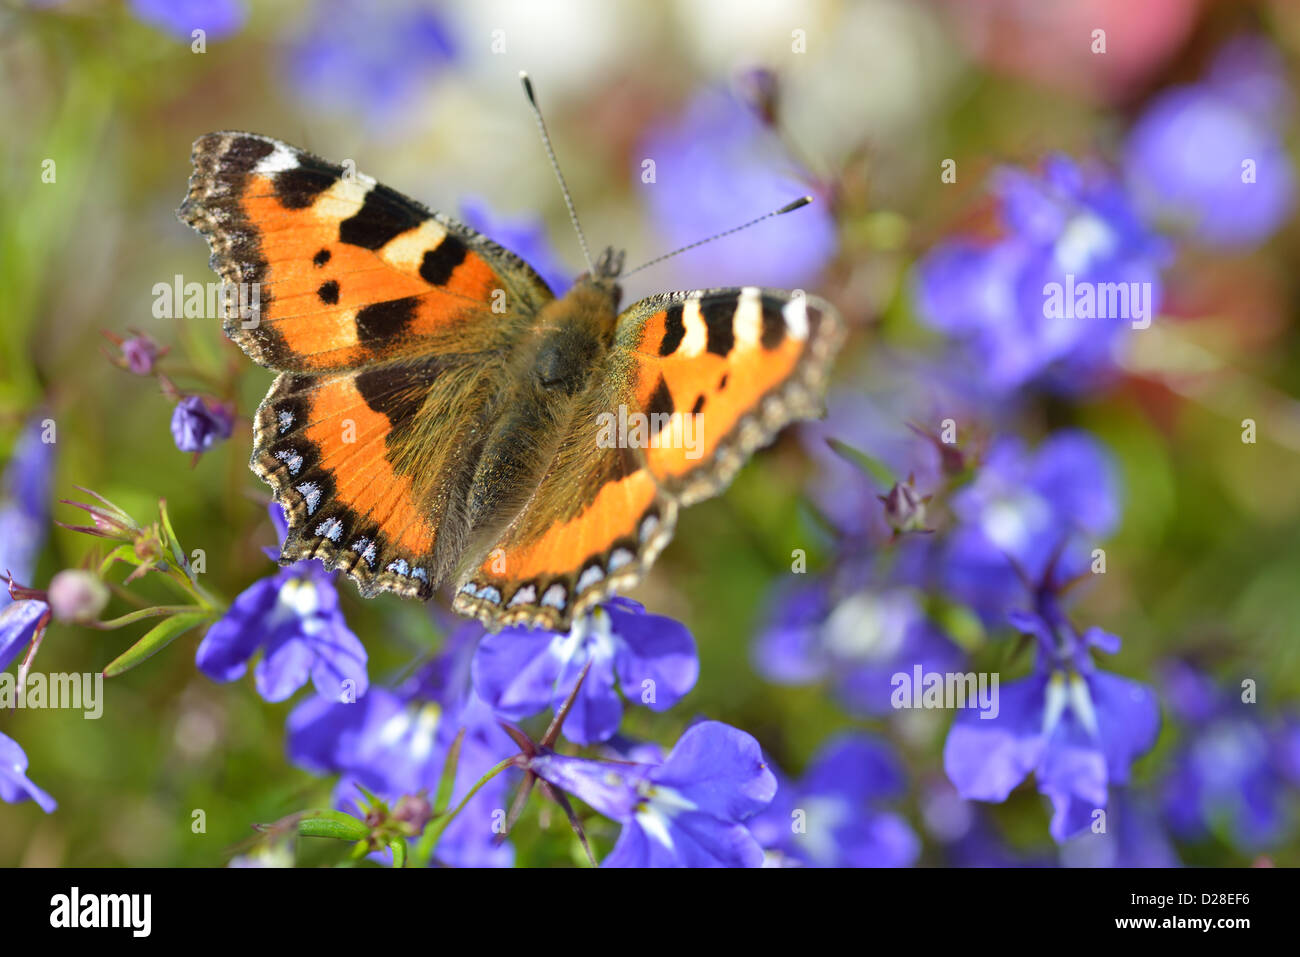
(787, 208)
(555, 165)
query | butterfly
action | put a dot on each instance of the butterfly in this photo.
(440, 416)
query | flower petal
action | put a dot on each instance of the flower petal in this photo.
(18, 622)
(597, 710)
(515, 672)
(857, 768)
(224, 652)
(284, 669)
(15, 785)
(1128, 721)
(340, 657)
(720, 770)
(655, 658)
(986, 758)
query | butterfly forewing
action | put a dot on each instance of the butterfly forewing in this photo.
(740, 363)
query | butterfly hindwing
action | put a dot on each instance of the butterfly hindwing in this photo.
(594, 525)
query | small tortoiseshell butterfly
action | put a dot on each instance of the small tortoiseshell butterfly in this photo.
(438, 412)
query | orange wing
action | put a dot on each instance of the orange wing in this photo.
(740, 363)
(345, 271)
(390, 324)
(595, 524)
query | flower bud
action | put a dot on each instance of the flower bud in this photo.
(199, 423)
(77, 596)
(905, 507)
(413, 809)
(139, 354)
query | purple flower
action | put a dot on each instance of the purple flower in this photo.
(833, 817)
(372, 61)
(19, 622)
(25, 504)
(521, 671)
(217, 18)
(1077, 729)
(1132, 837)
(525, 237)
(1014, 304)
(199, 423)
(1208, 157)
(716, 166)
(293, 617)
(858, 641)
(688, 811)
(1018, 512)
(1235, 774)
(15, 785)
(395, 742)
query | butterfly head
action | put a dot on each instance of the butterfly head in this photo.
(604, 274)
(610, 264)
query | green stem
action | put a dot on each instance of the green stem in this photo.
(157, 611)
(398, 845)
(429, 839)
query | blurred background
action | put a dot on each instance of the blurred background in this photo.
(956, 151)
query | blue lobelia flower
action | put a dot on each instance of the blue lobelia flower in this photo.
(368, 59)
(833, 817)
(1235, 775)
(1069, 228)
(199, 423)
(294, 618)
(1209, 158)
(715, 166)
(689, 811)
(19, 623)
(1022, 510)
(1075, 728)
(180, 18)
(395, 741)
(858, 641)
(25, 504)
(525, 237)
(15, 785)
(522, 671)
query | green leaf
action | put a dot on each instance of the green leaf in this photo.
(154, 641)
(172, 541)
(448, 780)
(123, 553)
(873, 468)
(333, 824)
